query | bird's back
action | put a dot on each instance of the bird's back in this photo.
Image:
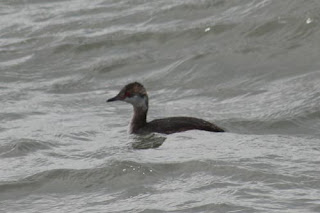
(179, 124)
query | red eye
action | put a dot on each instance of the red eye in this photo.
(127, 94)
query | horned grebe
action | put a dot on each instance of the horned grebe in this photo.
(136, 94)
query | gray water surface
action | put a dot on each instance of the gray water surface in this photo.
(250, 66)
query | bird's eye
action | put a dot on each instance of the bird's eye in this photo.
(128, 94)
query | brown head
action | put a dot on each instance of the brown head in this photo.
(133, 93)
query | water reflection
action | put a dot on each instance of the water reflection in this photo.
(148, 141)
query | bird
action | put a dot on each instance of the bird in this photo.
(136, 94)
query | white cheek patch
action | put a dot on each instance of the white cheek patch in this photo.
(137, 101)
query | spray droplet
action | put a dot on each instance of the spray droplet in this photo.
(309, 20)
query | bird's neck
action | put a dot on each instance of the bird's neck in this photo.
(139, 118)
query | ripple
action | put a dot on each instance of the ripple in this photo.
(14, 62)
(23, 147)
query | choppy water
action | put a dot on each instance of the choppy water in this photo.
(250, 66)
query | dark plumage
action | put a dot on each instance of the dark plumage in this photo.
(136, 95)
(179, 124)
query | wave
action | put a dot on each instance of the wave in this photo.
(23, 147)
(120, 175)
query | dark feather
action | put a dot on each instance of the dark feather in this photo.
(179, 124)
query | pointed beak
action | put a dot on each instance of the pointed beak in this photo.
(116, 98)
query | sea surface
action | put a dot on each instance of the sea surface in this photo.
(250, 66)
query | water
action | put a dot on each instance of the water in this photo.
(250, 66)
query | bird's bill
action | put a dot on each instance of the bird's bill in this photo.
(116, 98)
